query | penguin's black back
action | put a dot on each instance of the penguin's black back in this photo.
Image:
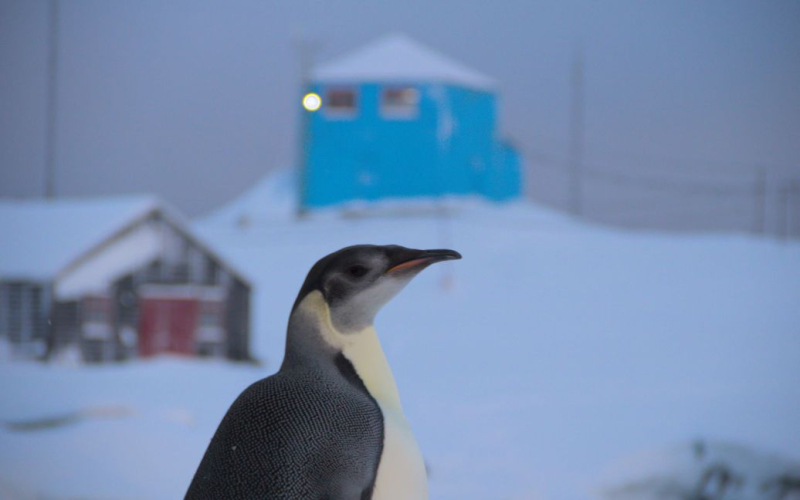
(302, 433)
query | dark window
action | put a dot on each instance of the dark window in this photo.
(154, 272)
(195, 262)
(212, 272)
(15, 313)
(180, 272)
(96, 310)
(36, 312)
(3, 311)
(400, 102)
(126, 303)
(341, 101)
(211, 314)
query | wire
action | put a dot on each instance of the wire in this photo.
(694, 164)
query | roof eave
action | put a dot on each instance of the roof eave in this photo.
(490, 86)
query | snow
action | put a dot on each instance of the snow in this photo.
(397, 58)
(137, 430)
(42, 237)
(271, 198)
(548, 354)
(678, 471)
(50, 240)
(133, 250)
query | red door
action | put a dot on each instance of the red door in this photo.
(167, 324)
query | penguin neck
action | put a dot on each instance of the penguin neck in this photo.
(362, 349)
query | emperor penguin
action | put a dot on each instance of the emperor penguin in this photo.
(329, 424)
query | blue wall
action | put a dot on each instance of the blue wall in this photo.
(370, 157)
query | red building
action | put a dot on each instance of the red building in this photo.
(115, 278)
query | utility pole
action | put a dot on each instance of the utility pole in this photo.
(760, 198)
(786, 194)
(576, 135)
(306, 49)
(791, 207)
(52, 94)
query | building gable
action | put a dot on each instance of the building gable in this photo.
(399, 59)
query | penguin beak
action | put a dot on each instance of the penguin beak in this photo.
(417, 260)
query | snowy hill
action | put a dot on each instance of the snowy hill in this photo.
(702, 469)
(550, 351)
(271, 198)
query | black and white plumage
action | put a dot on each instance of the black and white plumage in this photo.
(328, 425)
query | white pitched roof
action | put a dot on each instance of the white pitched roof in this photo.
(41, 237)
(397, 58)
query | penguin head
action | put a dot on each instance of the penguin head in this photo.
(357, 281)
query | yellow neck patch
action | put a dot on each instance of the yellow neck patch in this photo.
(362, 348)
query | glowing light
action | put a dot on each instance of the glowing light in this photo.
(312, 101)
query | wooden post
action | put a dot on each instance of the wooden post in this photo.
(760, 201)
(52, 97)
(792, 207)
(576, 136)
(783, 212)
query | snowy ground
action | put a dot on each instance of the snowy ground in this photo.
(558, 350)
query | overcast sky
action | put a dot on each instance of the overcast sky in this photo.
(196, 100)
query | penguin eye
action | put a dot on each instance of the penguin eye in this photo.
(357, 271)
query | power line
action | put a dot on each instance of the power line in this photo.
(750, 192)
(692, 165)
(692, 187)
(650, 180)
(547, 160)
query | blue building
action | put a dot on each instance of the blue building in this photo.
(395, 119)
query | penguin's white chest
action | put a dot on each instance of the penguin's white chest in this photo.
(401, 471)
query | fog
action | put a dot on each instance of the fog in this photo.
(196, 100)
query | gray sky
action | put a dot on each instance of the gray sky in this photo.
(196, 100)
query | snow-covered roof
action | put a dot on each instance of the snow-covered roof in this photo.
(399, 59)
(42, 237)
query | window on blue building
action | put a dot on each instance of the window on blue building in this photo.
(341, 102)
(400, 102)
